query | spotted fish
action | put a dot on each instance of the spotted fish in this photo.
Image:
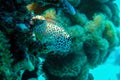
(53, 35)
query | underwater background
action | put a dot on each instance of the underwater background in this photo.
(60, 40)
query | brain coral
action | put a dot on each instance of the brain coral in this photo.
(93, 47)
(107, 7)
(101, 36)
(110, 33)
(64, 67)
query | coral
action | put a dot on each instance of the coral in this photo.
(102, 1)
(79, 18)
(90, 77)
(64, 4)
(106, 7)
(68, 7)
(50, 14)
(25, 64)
(22, 27)
(65, 70)
(97, 41)
(75, 31)
(77, 35)
(96, 26)
(5, 57)
(110, 33)
(115, 13)
(84, 74)
(93, 47)
(75, 3)
(37, 8)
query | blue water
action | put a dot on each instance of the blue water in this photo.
(110, 69)
(118, 3)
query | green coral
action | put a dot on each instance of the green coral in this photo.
(110, 33)
(79, 18)
(65, 69)
(75, 3)
(5, 57)
(101, 36)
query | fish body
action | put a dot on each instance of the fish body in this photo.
(53, 35)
